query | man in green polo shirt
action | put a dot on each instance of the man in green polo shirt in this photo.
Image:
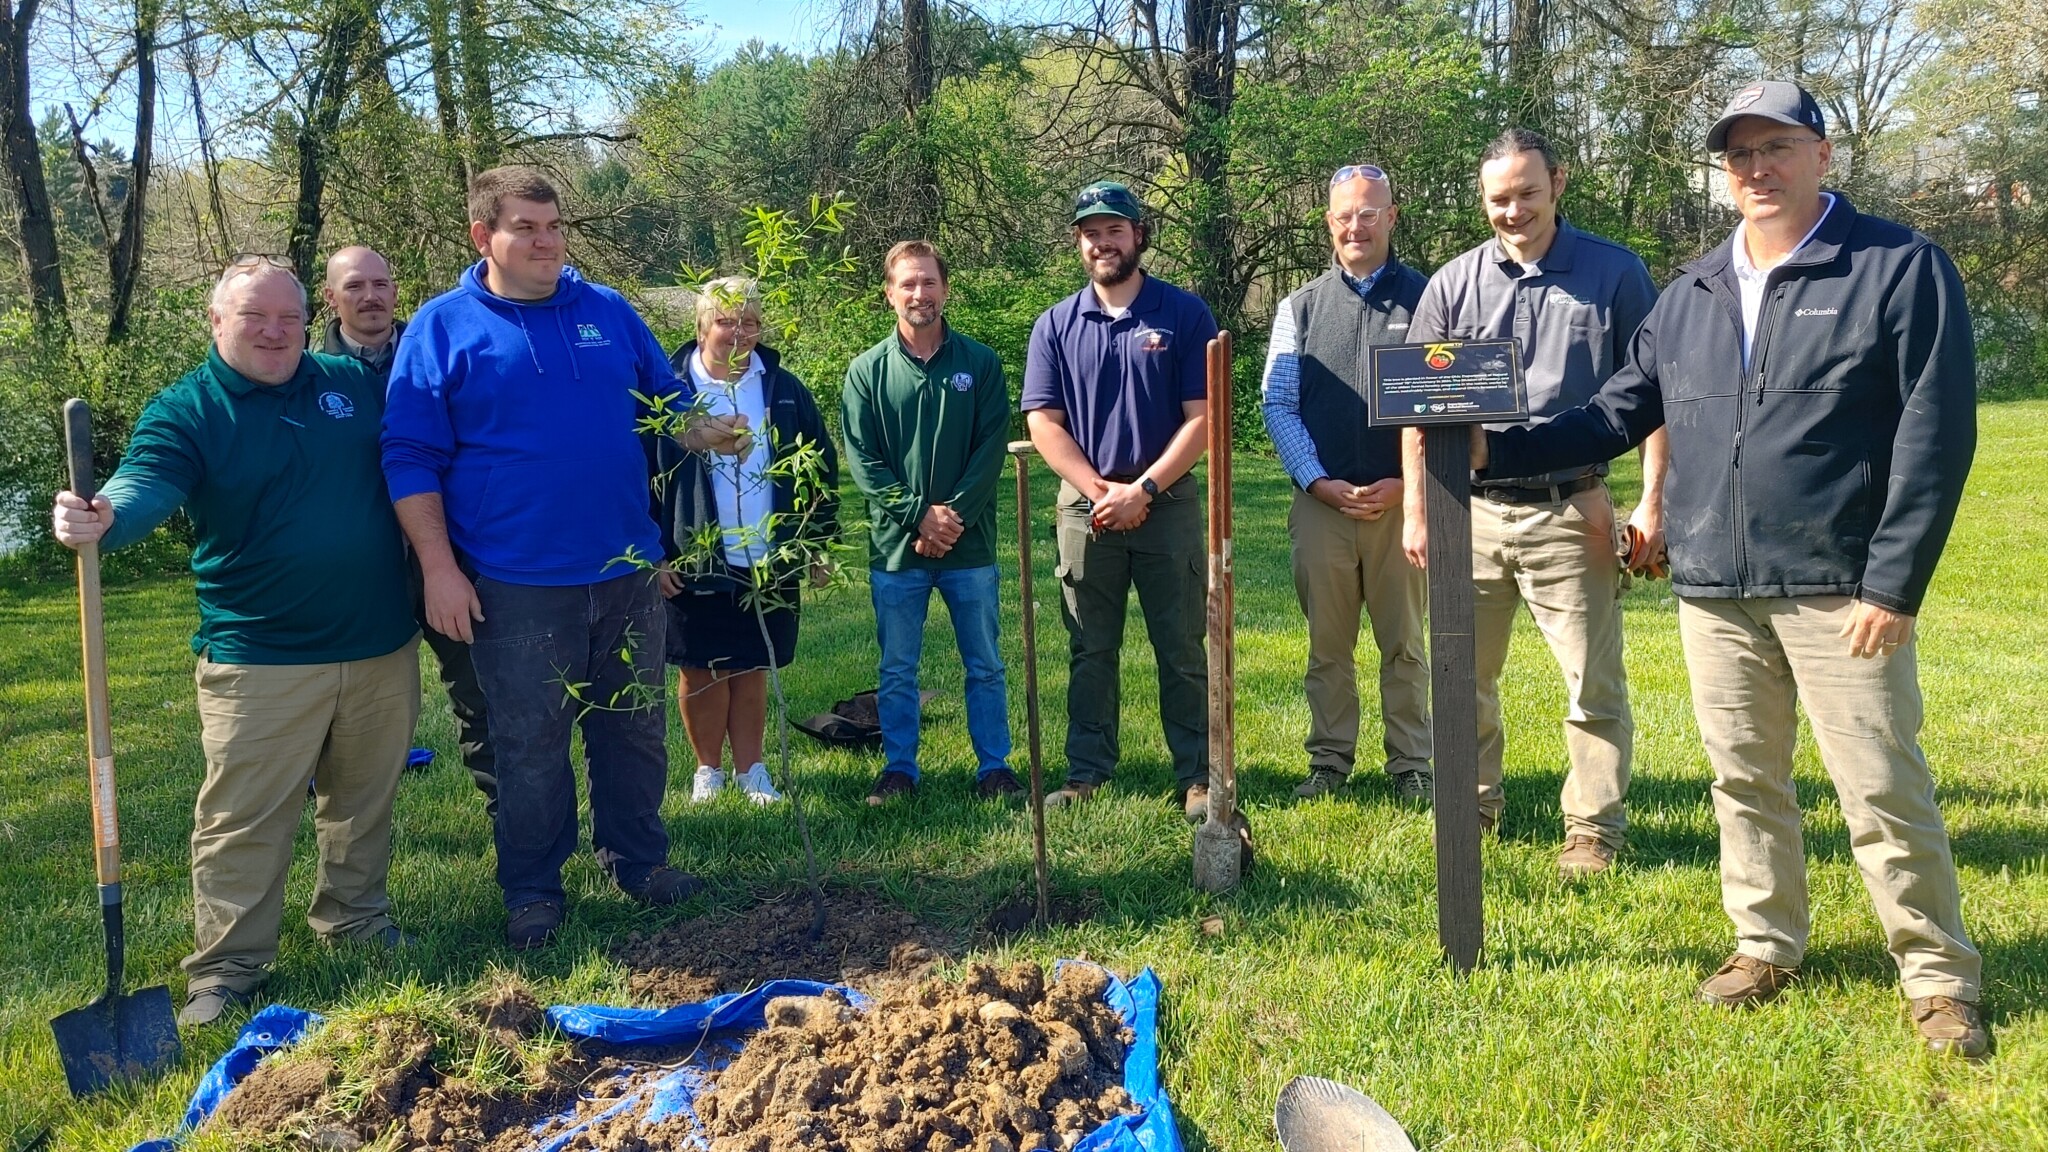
(926, 416)
(308, 652)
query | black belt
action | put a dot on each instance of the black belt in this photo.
(1549, 494)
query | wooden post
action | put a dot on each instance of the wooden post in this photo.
(1454, 694)
(1218, 843)
(1022, 450)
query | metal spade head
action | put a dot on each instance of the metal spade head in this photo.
(1318, 1115)
(117, 1037)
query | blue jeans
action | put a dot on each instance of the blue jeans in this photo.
(973, 599)
(531, 641)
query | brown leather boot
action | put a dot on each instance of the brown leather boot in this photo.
(1583, 856)
(1951, 1027)
(1745, 981)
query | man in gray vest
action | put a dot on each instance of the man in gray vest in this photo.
(1345, 523)
(1570, 301)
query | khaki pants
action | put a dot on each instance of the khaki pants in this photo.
(1341, 566)
(1559, 559)
(268, 729)
(1750, 661)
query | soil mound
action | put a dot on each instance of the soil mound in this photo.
(865, 936)
(999, 1062)
(367, 1080)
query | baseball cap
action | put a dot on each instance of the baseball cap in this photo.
(1106, 197)
(1779, 100)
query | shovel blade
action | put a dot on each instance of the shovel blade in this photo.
(117, 1038)
(1318, 1115)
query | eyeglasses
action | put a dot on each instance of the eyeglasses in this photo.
(1358, 171)
(1771, 152)
(746, 324)
(1365, 216)
(1094, 196)
(258, 259)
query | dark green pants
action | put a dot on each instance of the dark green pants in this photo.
(1166, 560)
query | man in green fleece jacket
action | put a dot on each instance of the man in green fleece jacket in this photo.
(308, 653)
(926, 416)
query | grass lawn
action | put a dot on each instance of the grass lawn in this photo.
(1577, 1031)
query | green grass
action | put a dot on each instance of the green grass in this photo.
(1577, 1032)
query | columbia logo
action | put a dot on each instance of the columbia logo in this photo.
(1817, 312)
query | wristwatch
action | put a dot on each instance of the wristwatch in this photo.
(1151, 489)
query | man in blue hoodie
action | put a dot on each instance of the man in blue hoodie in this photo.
(513, 454)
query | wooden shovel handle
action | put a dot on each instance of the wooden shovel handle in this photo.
(99, 736)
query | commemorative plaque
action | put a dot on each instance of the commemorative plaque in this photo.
(1454, 382)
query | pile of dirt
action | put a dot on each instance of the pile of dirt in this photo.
(865, 937)
(395, 1086)
(999, 1062)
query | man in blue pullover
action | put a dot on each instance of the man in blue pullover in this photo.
(513, 454)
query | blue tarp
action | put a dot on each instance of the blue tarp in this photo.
(719, 1027)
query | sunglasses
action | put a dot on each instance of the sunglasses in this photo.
(1094, 196)
(1356, 171)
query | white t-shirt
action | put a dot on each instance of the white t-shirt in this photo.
(740, 485)
(1749, 279)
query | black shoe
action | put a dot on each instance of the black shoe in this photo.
(530, 926)
(664, 886)
(997, 785)
(893, 784)
(1415, 787)
(208, 1005)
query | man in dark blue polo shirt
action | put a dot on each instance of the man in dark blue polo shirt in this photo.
(1114, 392)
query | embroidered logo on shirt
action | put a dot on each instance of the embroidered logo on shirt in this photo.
(588, 336)
(336, 405)
(1817, 312)
(962, 381)
(1154, 339)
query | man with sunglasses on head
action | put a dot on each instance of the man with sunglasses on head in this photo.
(1345, 522)
(308, 653)
(1570, 301)
(1115, 393)
(1817, 375)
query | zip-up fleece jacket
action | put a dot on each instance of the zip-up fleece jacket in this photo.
(1834, 464)
(523, 416)
(684, 502)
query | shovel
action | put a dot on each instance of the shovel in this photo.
(116, 1037)
(1318, 1115)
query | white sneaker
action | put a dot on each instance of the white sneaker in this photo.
(755, 783)
(707, 785)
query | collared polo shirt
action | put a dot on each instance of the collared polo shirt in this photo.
(1750, 279)
(925, 432)
(1571, 314)
(298, 558)
(1121, 380)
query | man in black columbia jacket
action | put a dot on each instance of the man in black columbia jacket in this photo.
(1818, 380)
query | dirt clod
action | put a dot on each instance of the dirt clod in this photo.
(991, 1063)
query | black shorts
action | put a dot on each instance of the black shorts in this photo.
(711, 624)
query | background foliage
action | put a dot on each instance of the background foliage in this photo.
(300, 126)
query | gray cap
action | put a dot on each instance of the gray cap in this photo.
(1779, 100)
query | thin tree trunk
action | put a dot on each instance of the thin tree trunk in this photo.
(315, 139)
(124, 253)
(479, 117)
(216, 208)
(1205, 144)
(22, 156)
(917, 92)
(1527, 75)
(440, 54)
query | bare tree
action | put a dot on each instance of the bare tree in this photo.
(22, 157)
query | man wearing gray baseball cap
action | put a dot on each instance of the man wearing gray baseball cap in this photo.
(1817, 376)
